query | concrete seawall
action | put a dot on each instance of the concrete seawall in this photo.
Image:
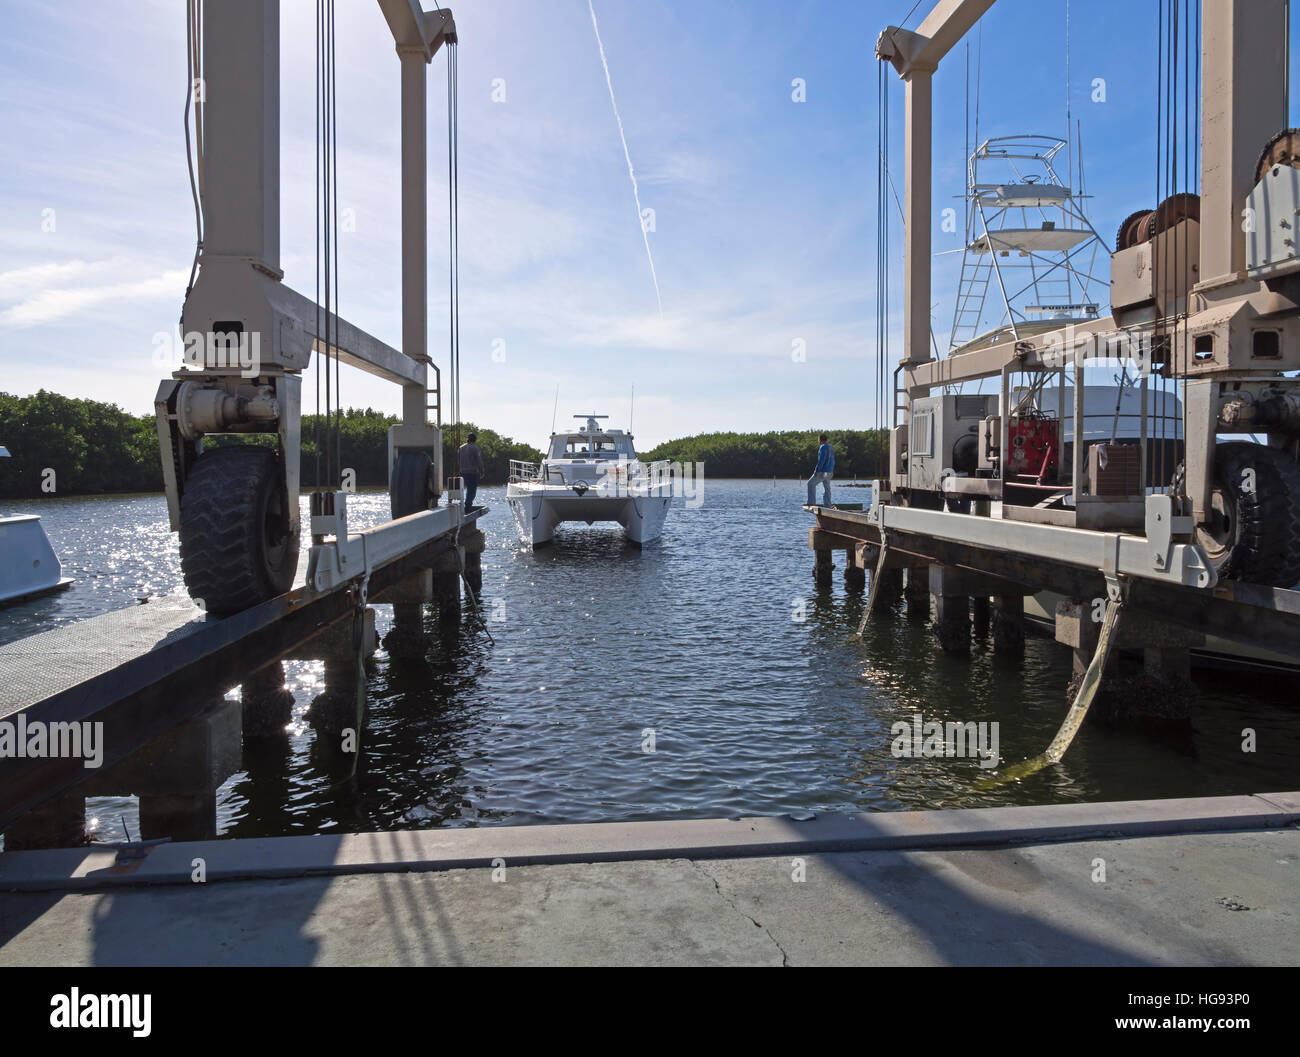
(1193, 881)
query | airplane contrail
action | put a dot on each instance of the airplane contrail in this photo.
(636, 194)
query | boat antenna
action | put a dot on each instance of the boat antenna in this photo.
(631, 408)
(555, 410)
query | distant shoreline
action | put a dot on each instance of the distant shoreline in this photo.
(379, 489)
(63, 447)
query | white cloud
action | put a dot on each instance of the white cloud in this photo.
(21, 282)
(49, 305)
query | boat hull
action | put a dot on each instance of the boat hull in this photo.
(538, 511)
(28, 564)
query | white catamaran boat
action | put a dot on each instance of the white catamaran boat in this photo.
(28, 564)
(592, 474)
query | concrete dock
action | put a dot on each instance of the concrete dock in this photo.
(1206, 881)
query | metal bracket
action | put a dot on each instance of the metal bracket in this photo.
(1163, 525)
(877, 505)
(332, 563)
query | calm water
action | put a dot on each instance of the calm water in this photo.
(695, 639)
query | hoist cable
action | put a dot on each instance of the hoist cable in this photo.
(322, 192)
(453, 234)
(334, 152)
(316, 481)
(455, 83)
(328, 430)
(194, 154)
(451, 269)
(1157, 334)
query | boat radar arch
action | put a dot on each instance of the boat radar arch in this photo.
(593, 425)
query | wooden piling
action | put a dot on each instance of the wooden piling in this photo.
(266, 703)
(1009, 625)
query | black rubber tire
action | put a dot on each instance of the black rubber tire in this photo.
(1256, 533)
(236, 549)
(412, 489)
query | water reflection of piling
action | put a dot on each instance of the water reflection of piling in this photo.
(407, 640)
(1009, 625)
(267, 703)
(963, 604)
(916, 589)
(473, 542)
(343, 648)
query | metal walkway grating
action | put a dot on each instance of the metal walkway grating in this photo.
(39, 666)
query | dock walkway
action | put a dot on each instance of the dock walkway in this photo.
(141, 671)
(1208, 881)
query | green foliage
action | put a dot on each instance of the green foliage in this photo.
(362, 440)
(94, 447)
(497, 451)
(91, 447)
(789, 453)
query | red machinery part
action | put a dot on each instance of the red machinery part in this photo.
(1034, 445)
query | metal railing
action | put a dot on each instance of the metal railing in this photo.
(523, 471)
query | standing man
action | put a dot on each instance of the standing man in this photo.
(469, 464)
(825, 467)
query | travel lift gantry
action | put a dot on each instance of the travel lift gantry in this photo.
(1229, 280)
(236, 507)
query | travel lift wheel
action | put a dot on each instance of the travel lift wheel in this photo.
(236, 548)
(412, 489)
(1254, 528)
(1128, 231)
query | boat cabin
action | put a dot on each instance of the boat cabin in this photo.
(591, 443)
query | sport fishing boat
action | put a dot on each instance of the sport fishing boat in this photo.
(1030, 266)
(28, 564)
(592, 474)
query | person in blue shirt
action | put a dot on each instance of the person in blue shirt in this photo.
(825, 467)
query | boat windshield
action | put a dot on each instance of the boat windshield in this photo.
(588, 447)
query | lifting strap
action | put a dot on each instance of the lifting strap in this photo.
(876, 578)
(1083, 700)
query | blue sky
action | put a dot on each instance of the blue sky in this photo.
(764, 207)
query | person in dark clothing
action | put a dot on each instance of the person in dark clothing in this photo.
(469, 464)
